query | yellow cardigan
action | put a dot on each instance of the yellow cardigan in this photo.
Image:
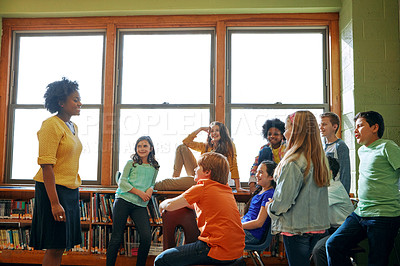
(59, 147)
(201, 147)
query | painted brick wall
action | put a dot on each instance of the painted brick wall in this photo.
(370, 63)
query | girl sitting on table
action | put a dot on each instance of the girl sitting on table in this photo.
(218, 140)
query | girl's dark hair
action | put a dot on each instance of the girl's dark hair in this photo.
(270, 171)
(58, 91)
(273, 123)
(225, 146)
(150, 158)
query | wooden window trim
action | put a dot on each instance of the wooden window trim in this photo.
(112, 24)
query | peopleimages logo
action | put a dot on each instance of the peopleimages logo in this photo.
(164, 122)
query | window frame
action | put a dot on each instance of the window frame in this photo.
(13, 105)
(324, 30)
(111, 25)
(124, 106)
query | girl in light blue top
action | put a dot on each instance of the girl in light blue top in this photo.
(135, 188)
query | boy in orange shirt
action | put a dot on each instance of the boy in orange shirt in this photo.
(221, 237)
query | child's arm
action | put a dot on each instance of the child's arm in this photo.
(253, 171)
(197, 146)
(125, 186)
(149, 191)
(257, 223)
(143, 195)
(344, 162)
(173, 204)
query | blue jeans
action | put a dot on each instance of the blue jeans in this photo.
(140, 217)
(380, 231)
(189, 254)
(250, 239)
(299, 247)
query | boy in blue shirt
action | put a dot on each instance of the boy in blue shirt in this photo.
(377, 216)
(335, 147)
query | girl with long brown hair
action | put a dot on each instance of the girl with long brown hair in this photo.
(299, 208)
(218, 140)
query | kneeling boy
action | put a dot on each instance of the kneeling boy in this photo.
(221, 237)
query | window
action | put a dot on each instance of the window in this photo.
(272, 73)
(162, 76)
(39, 59)
(165, 91)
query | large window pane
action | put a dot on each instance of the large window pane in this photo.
(246, 131)
(166, 68)
(44, 59)
(166, 127)
(88, 125)
(277, 67)
(26, 146)
(27, 124)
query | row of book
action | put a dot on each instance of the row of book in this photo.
(179, 236)
(102, 209)
(19, 209)
(153, 209)
(84, 210)
(16, 209)
(98, 209)
(102, 236)
(18, 238)
(241, 207)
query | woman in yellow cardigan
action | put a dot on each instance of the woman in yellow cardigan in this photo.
(56, 216)
(218, 140)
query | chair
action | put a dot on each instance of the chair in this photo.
(185, 218)
(254, 249)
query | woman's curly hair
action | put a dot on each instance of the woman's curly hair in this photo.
(58, 91)
(273, 123)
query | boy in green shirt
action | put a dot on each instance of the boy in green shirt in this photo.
(377, 216)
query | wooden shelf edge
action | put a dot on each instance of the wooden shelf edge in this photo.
(86, 258)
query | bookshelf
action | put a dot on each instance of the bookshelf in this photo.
(93, 250)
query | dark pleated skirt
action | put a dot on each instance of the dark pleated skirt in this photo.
(46, 233)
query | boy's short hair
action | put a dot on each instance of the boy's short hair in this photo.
(334, 166)
(372, 118)
(333, 118)
(217, 164)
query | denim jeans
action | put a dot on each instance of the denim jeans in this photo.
(299, 247)
(380, 231)
(250, 239)
(189, 254)
(140, 217)
(319, 251)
